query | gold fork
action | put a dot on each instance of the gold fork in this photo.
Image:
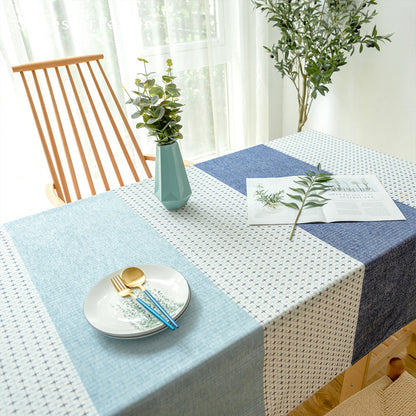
(124, 291)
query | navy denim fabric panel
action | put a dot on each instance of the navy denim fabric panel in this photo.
(365, 241)
(400, 305)
(255, 162)
(385, 247)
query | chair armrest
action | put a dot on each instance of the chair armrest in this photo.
(188, 163)
(54, 199)
(153, 157)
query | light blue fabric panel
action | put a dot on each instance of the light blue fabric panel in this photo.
(191, 371)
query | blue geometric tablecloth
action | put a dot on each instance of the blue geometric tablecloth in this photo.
(269, 323)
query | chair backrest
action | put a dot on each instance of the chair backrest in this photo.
(84, 131)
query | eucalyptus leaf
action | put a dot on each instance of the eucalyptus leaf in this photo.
(313, 204)
(299, 190)
(158, 114)
(318, 196)
(149, 83)
(302, 182)
(291, 205)
(156, 90)
(297, 197)
(314, 185)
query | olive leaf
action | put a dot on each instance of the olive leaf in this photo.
(309, 195)
(316, 39)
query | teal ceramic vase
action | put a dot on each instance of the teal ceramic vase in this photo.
(171, 182)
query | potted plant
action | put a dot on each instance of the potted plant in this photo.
(317, 37)
(159, 110)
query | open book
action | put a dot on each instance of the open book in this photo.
(351, 198)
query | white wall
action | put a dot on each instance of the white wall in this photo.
(372, 100)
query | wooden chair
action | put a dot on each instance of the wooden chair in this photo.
(365, 370)
(392, 394)
(83, 129)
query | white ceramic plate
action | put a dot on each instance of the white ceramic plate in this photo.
(121, 317)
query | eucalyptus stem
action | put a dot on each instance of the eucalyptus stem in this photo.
(297, 216)
(312, 186)
(157, 105)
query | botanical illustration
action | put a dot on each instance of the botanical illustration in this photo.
(299, 193)
(138, 317)
(287, 200)
(357, 185)
(272, 200)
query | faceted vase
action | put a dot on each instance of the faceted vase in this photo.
(171, 182)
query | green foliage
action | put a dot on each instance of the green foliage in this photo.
(309, 195)
(157, 105)
(317, 37)
(268, 200)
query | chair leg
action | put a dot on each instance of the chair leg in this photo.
(356, 375)
(354, 378)
(411, 348)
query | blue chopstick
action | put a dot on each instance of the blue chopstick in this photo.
(161, 308)
(154, 313)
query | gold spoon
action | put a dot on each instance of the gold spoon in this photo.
(134, 277)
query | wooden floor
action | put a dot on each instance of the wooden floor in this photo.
(328, 397)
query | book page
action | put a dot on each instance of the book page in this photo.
(261, 194)
(359, 198)
(351, 198)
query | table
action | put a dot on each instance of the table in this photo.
(269, 323)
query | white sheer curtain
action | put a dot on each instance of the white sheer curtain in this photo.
(216, 48)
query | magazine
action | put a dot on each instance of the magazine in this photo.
(351, 198)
